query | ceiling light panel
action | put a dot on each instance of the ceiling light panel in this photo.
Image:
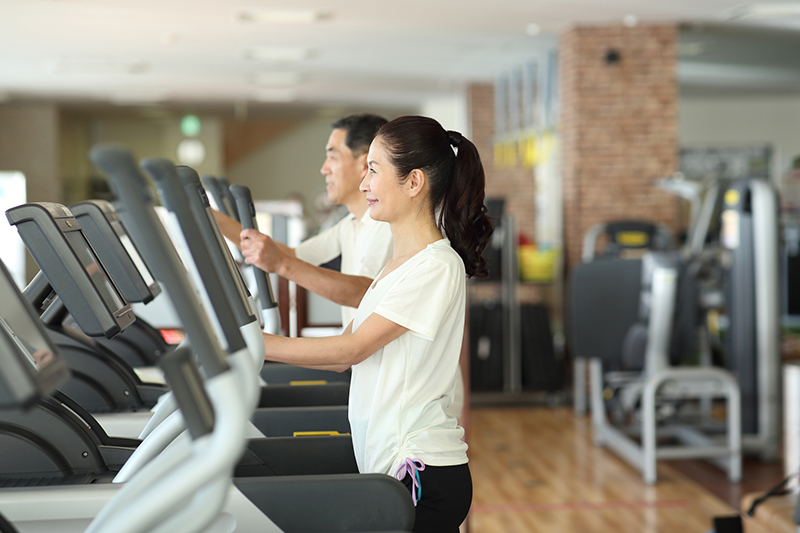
(68, 66)
(276, 94)
(279, 53)
(276, 78)
(137, 98)
(284, 16)
(764, 10)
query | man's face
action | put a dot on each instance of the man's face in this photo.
(343, 172)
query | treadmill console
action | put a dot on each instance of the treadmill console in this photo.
(30, 366)
(105, 231)
(70, 264)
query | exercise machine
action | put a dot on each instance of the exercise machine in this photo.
(75, 283)
(140, 345)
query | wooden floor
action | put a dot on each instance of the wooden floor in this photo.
(535, 469)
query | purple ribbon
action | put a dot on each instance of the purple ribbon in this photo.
(413, 467)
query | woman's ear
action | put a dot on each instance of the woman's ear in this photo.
(415, 182)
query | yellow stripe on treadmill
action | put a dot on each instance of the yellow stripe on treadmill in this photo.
(316, 433)
(309, 382)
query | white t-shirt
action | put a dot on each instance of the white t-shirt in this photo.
(400, 395)
(365, 246)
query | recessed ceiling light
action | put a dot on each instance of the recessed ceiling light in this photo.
(279, 53)
(109, 66)
(137, 98)
(276, 94)
(285, 16)
(533, 29)
(276, 78)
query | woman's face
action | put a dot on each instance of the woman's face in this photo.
(382, 185)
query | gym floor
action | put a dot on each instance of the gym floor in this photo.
(535, 469)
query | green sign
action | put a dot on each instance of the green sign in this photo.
(190, 125)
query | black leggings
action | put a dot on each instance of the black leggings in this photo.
(446, 498)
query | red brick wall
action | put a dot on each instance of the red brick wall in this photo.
(618, 126)
(515, 184)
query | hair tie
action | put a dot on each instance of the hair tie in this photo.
(455, 138)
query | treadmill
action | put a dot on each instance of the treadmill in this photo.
(140, 344)
(291, 409)
(220, 200)
(159, 495)
(74, 283)
(272, 373)
(102, 381)
(281, 456)
(53, 481)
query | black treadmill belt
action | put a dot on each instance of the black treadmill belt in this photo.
(48, 481)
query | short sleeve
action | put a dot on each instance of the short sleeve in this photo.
(420, 299)
(322, 247)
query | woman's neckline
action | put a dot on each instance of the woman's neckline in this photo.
(383, 275)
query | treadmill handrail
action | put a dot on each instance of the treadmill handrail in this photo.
(131, 188)
(210, 185)
(237, 293)
(165, 175)
(247, 216)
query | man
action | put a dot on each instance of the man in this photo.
(364, 244)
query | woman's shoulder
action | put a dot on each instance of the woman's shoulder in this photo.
(442, 254)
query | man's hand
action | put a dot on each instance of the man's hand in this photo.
(262, 251)
(275, 257)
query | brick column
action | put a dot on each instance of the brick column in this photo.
(515, 184)
(618, 126)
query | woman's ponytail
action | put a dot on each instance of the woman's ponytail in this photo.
(463, 213)
(456, 182)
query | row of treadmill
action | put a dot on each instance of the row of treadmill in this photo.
(105, 427)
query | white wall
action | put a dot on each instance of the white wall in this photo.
(450, 111)
(160, 138)
(29, 144)
(752, 120)
(287, 164)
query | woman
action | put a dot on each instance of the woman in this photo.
(405, 340)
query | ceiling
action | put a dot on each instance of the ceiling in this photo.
(358, 52)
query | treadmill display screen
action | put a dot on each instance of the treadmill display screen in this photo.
(30, 365)
(38, 358)
(136, 258)
(95, 270)
(17, 323)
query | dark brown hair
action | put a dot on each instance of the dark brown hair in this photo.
(455, 179)
(360, 130)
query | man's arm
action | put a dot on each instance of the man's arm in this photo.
(231, 230)
(229, 227)
(271, 256)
